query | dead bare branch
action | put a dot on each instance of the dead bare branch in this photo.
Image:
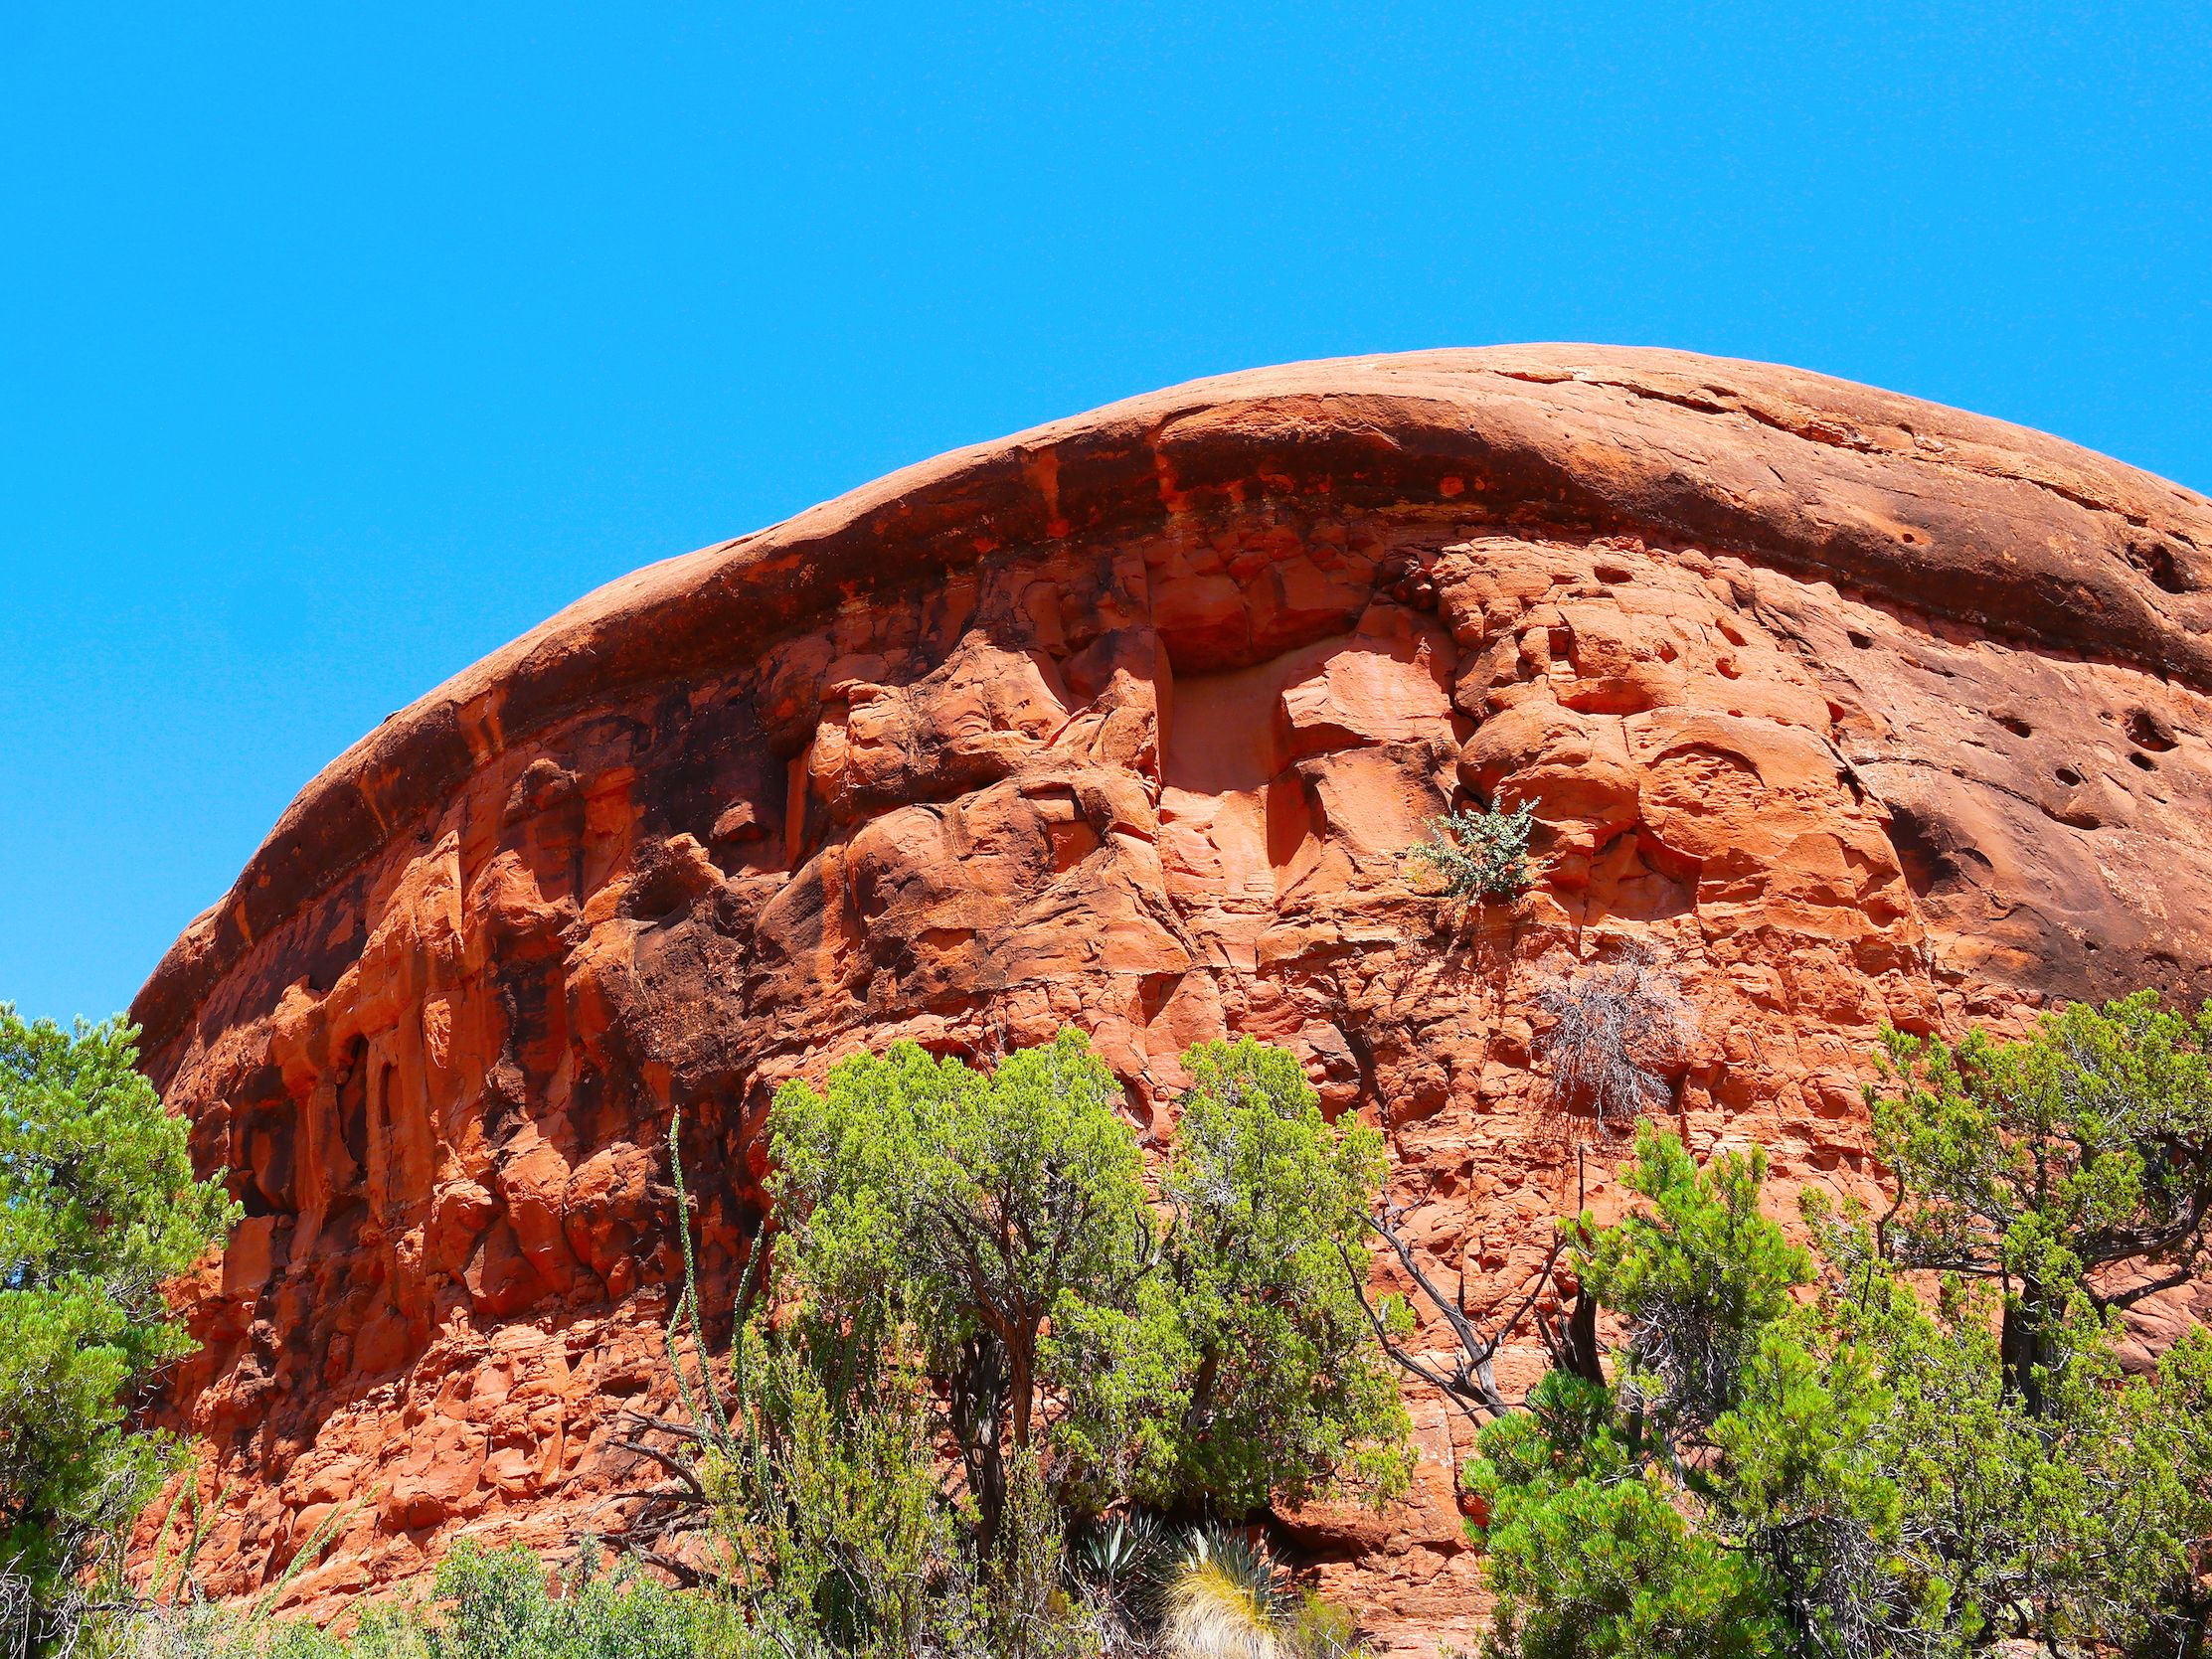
(1617, 1028)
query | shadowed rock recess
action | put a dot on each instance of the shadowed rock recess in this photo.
(1850, 707)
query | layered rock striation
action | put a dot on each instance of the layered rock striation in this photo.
(1852, 708)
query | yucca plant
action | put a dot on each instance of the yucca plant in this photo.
(1227, 1599)
(1123, 1552)
(1117, 1565)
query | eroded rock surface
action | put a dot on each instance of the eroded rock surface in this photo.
(1853, 708)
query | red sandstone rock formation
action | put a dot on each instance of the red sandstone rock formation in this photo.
(1853, 708)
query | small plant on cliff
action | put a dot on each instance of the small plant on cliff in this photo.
(98, 1208)
(1479, 853)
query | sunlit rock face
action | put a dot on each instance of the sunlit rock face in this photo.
(1851, 708)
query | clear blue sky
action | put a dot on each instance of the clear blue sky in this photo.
(340, 343)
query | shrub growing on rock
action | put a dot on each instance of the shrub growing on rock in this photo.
(1479, 851)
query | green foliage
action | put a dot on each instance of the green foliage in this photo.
(997, 1228)
(483, 1604)
(824, 1489)
(1479, 853)
(1283, 1378)
(1631, 1517)
(1323, 1630)
(98, 1208)
(2045, 1164)
(1118, 1564)
(973, 1261)
(498, 1606)
(961, 1211)
(1978, 1512)
(1039, 1603)
(1121, 1552)
(1025, 1613)
(1595, 1569)
(1588, 1553)
(1696, 1276)
(1799, 1456)
(820, 1466)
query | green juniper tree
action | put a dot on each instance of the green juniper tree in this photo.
(1205, 1354)
(98, 1208)
(2071, 1170)
(1917, 1439)
(1590, 1551)
(972, 1209)
(2050, 1183)
(1825, 1465)
(1281, 1382)
(1595, 1493)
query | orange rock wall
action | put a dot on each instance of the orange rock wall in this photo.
(1127, 725)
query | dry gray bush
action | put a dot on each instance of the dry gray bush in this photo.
(52, 1623)
(19, 1610)
(1617, 1027)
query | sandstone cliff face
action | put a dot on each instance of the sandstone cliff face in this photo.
(1853, 708)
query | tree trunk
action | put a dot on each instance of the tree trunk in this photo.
(2023, 1347)
(1022, 1387)
(1582, 1339)
(978, 1410)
